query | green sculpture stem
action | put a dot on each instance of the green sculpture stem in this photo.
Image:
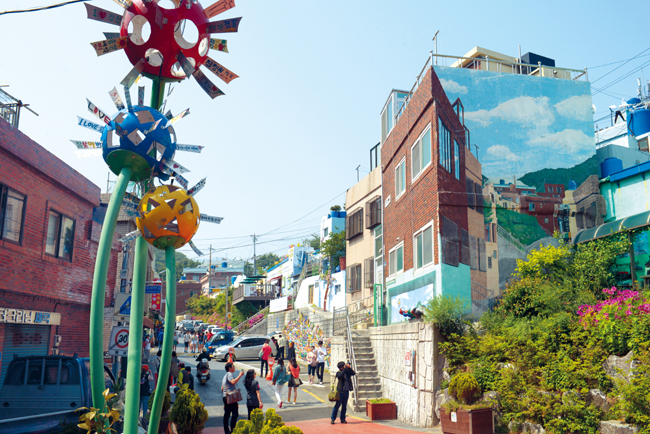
(134, 367)
(96, 348)
(168, 340)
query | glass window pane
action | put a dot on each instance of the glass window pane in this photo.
(378, 241)
(403, 176)
(391, 263)
(456, 160)
(400, 259)
(52, 233)
(16, 375)
(427, 246)
(13, 216)
(418, 251)
(426, 148)
(67, 239)
(415, 160)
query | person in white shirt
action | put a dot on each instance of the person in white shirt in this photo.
(147, 348)
(320, 356)
(186, 341)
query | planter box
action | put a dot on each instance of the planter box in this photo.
(479, 421)
(163, 426)
(387, 411)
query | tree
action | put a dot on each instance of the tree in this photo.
(335, 208)
(263, 262)
(334, 247)
(313, 242)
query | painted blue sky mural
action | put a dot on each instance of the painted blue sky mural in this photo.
(522, 124)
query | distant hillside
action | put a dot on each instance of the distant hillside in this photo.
(578, 173)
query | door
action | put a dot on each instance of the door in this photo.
(24, 340)
(311, 294)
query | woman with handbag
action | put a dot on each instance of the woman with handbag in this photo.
(254, 400)
(344, 387)
(231, 398)
(280, 378)
(294, 381)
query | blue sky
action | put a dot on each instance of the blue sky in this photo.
(288, 135)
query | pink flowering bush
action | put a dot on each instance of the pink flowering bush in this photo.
(621, 321)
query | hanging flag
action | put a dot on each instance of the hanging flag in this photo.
(205, 83)
(140, 95)
(111, 35)
(224, 26)
(127, 97)
(87, 145)
(128, 204)
(132, 197)
(124, 3)
(220, 71)
(185, 64)
(179, 116)
(90, 125)
(97, 112)
(219, 7)
(198, 187)
(99, 14)
(87, 153)
(109, 45)
(190, 148)
(132, 75)
(153, 127)
(130, 236)
(174, 166)
(211, 219)
(196, 250)
(182, 181)
(219, 45)
(115, 96)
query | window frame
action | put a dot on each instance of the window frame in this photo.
(390, 262)
(415, 248)
(444, 149)
(4, 195)
(417, 142)
(354, 224)
(354, 278)
(373, 212)
(456, 159)
(57, 248)
(402, 162)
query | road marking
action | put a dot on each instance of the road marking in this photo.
(309, 393)
(360, 418)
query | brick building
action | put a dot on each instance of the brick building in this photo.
(433, 212)
(48, 245)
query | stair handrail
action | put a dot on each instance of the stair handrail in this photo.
(353, 362)
(243, 326)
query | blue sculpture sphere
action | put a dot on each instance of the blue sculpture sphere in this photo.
(130, 140)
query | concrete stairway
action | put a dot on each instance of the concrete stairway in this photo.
(367, 375)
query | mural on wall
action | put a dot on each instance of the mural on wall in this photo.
(304, 334)
(408, 301)
(534, 139)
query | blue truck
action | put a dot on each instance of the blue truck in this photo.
(220, 338)
(39, 392)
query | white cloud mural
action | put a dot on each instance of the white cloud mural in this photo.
(500, 151)
(453, 87)
(576, 107)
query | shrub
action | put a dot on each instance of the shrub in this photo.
(464, 388)
(189, 413)
(380, 401)
(447, 313)
(167, 402)
(634, 402)
(257, 424)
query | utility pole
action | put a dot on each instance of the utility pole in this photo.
(210, 272)
(357, 169)
(435, 39)
(254, 254)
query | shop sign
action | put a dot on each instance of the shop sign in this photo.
(22, 316)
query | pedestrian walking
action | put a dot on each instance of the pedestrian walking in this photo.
(253, 400)
(280, 378)
(201, 341)
(282, 342)
(194, 343)
(156, 365)
(175, 340)
(276, 346)
(344, 386)
(321, 353)
(312, 364)
(188, 378)
(146, 344)
(291, 352)
(294, 381)
(174, 368)
(266, 352)
(145, 389)
(186, 340)
(231, 398)
(161, 335)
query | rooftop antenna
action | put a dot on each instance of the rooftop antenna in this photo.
(357, 169)
(435, 40)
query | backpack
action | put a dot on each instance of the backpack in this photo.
(144, 343)
(145, 389)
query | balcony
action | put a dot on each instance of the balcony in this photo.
(255, 293)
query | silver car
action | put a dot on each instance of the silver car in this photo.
(247, 347)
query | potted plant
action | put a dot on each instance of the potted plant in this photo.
(164, 417)
(381, 409)
(463, 414)
(188, 415)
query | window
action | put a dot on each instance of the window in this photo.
(379, 261)
(354, 224)
(464, 247)
(325, 232)
(423, 247)
(60, 236)
(421, 154)
(400, 178)
(396, 259)
(378, 242)
(482, 258)
(473, 253)
(558, 189)
(369, 272)
(531, 206)
(337, 289)
(353, 275)
(489, 262)
(449, 237)
(12, 211)
(456, 160)
(373, 212)
(545, 220)
(444, 145)
(550, 189)
(471, 199)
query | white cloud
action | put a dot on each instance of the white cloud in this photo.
(568, 141)
(523, 110)
(453, 87)
(576, 107)
(503, 152)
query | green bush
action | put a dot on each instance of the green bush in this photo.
(167, 402)
(464, 388)
(447, 313)
(272, 425)
(189, 413)
(634, 402)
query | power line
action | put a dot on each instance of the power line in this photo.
(618, 61)
(42, 8)
(620, 66)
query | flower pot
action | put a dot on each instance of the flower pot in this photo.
(477, 421)
(171, 428)
(385, 411)
(163, 426)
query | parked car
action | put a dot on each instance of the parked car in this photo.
(201, 327)
(215, 329)
(219, 339)
(247, 347)
(40, 391)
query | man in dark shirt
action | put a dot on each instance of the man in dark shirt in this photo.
(344, 386)
(188, 378)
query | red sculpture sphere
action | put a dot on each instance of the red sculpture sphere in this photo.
(160, 50)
